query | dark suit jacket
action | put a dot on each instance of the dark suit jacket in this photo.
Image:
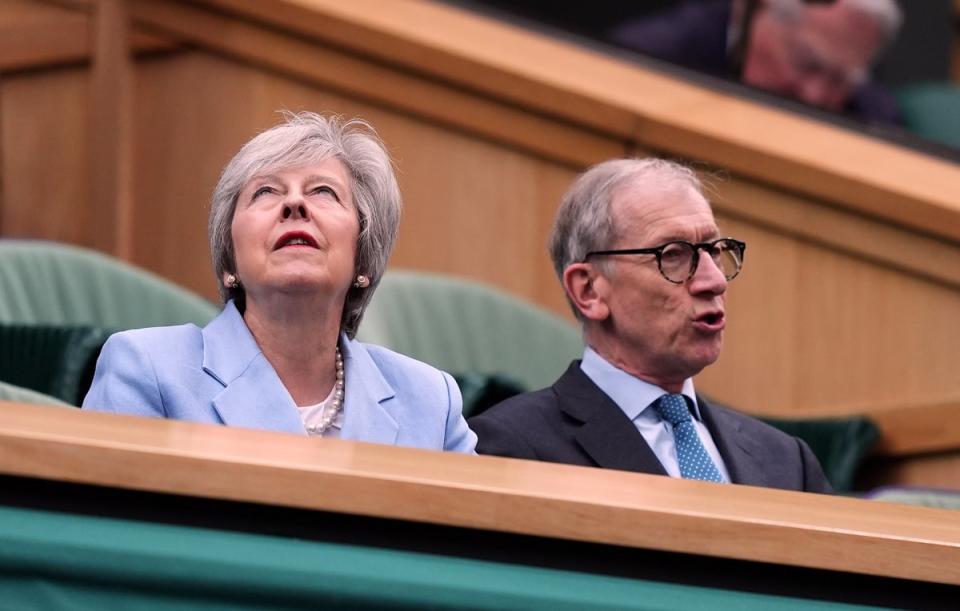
(576, 423)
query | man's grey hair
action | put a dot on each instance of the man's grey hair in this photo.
(308, 138)
(886, 13)
(585, 220)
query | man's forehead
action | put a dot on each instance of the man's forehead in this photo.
(675, 203)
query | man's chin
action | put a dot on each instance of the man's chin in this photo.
(703, 359)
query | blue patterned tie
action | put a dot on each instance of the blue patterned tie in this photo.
(694, 461)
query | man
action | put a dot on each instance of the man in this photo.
(819, 53)
(645, 269)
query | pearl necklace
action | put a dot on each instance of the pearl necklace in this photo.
(330, 414)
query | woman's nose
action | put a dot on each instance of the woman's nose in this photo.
(294, 210)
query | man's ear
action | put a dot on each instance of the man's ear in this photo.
(586, 288)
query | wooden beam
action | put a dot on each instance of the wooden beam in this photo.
(111, 129)
(557, 501)
(38, 34)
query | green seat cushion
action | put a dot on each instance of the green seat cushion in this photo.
(55, 360)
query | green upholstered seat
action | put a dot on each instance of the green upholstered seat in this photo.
(468, 328)
(17, 394)
(840, 444)
(59, 303)
(56, 284)
(932, 110)
(52, 359)
(483, 390)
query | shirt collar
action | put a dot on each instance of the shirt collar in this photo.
(630, 393)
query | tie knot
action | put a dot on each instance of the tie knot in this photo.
(673, 409)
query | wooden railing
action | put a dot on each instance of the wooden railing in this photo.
(504, 495)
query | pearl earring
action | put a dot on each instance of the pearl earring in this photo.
(362, 282)
(232, 282)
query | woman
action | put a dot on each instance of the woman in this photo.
(302, 222)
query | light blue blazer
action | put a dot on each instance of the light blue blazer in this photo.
(218, 375)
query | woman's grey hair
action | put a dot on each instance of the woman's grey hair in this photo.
(585, 222)
(307, 138)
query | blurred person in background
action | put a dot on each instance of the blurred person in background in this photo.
(820, 53)
(301, 225)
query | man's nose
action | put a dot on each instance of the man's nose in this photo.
(817, 90)
(708, 277)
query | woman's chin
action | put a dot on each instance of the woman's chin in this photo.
(304, 286)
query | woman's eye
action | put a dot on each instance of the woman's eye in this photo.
(328, 190)
(261, 191)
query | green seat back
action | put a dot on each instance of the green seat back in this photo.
(932, 110)
(465, 327)
(840, 444)
(56, 284)
(51, 359)
(483, 390)
(16, 394)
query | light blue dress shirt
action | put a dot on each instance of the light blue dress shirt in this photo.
(635, 397)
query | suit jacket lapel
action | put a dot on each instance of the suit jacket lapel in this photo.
(368, 397)
(253, 395)
(741, 453)
(606, 434)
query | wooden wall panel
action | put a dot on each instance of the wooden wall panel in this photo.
(816, 331)
(43, 126)
(934, 470)
(478, 210)
(473, 208)
(111, 128)
(758, 363)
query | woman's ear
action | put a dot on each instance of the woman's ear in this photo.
(586, 288)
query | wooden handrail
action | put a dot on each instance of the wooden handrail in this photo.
(558, 501)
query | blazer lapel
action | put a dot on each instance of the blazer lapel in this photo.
(253, 395)
(740, 452)
(367, 398)
(606, 434)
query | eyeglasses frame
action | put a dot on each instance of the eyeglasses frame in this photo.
(658, 251)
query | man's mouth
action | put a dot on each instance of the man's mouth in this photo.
(295, 238)
(710, 322)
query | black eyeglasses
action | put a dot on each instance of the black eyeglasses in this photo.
(678, 260)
